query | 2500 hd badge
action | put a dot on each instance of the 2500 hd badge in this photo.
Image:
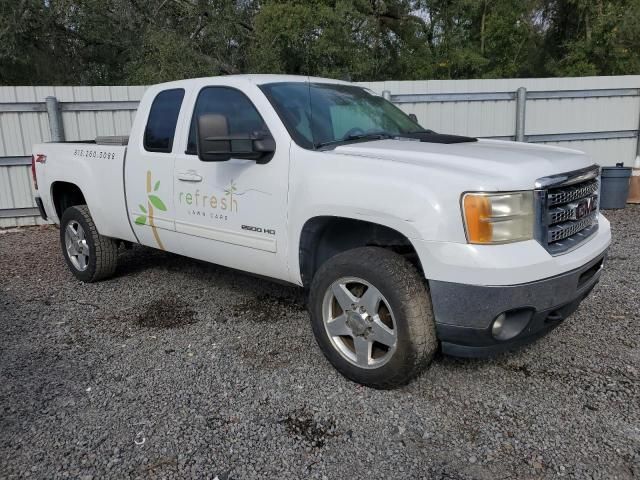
(251, 228)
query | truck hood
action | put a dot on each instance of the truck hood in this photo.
(487, 164)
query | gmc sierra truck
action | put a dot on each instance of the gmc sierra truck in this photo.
(407, 241)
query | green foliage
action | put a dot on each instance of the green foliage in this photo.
(342, 39)
(156, 202)
(133, 41)
(593, 37)
(141, 220)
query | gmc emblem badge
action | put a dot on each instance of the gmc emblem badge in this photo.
(585, 207)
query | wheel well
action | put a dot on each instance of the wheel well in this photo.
(324, 237)
(65, 195)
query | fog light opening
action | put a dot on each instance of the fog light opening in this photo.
(510, 324)
(498, 325)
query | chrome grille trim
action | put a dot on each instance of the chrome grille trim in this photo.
(569, 178)
(557, 196)
(573, 242)
(567, 207)
(570, 211)
(567, 229)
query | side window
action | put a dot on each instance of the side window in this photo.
(163, 117)
(242, 116)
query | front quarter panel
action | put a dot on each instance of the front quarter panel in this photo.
(403, 197)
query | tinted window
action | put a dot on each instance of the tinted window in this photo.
(242, 116)
(163, 117)
(316, 113)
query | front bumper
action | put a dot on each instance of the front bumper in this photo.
(464, 313)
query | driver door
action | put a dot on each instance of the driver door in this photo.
(232, 212)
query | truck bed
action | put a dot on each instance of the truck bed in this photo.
(96, 168)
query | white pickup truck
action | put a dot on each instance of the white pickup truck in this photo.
(406, 240)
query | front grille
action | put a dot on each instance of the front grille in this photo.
(568, 209)
(574, 192)
(568, 229)
(575, 210)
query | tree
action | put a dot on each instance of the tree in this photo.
(592, 37)
(346, 39)
(98, 42)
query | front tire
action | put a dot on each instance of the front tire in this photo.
(89, 255)
(372, 317)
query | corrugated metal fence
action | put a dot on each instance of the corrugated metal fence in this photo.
(86, 112)
(599, 115)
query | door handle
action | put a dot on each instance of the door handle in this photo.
(189, 176)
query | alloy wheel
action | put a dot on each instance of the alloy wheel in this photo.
(360, 323)
(76, 245)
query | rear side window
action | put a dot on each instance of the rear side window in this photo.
(163, 117)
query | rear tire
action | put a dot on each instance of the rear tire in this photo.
(89, 255)
(372, 318)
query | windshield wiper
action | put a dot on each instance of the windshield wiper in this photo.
(426, 130)
(360, 136)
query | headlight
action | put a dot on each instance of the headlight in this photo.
(498, 217)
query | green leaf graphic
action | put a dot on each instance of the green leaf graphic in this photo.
(142, 208)
(141, 220)
(156, 202)
(156, 186)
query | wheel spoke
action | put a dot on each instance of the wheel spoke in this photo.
(363, 351)
(82, 261)
(71, 248)
(84, 248)
(72, 233)
(371, 300)
(381, 333)
(343, 296)
(338, 326)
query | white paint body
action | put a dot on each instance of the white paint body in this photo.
(411, 187)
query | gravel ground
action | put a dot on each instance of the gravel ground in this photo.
(176, 369)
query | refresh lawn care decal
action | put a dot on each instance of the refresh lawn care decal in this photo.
(153, 200)
(210, 205)
(218, 206)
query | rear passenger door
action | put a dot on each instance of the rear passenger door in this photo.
(149, 174)
(233, 212)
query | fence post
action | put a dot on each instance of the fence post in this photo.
(521, 103)
(55, 119)
(637, 162)
(386, 94)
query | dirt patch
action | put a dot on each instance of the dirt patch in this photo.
(302, 425)
(268, 308)
(168, 312)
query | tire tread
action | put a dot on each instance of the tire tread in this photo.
(105, 248)
(413, 292)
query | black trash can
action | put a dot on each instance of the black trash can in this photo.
(614, 188)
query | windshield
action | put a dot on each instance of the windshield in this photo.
(319, 114)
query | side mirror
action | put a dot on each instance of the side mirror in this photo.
(216, 144)
(413, 117)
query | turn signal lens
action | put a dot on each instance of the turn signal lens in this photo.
(498, 217)
(477, 213)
